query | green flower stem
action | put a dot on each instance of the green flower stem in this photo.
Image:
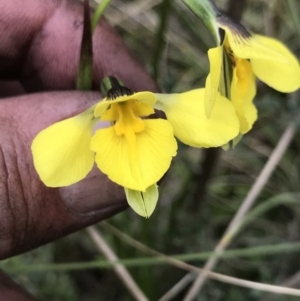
(225, 90)
(85, 70)
(160, 35)
(226, 76)
(99, 12)
(293, 7)
(146, 261)
(207, 11)
(284, 199)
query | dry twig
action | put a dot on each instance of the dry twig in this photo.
(119, 269)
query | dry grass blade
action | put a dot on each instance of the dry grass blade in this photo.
(248, 202)
(120, 270)
(178, 287)
(215, 276)
(291, 282)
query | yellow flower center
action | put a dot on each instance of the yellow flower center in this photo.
(244, 75)
(126, 117)
(128, 121)
(243, 68)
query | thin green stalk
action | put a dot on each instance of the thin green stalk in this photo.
(160, 35)
(146, 261)
(225, 89)
(226, 77)
(85, 70)
(294, 10)
(99, 12)
(247, 203)
(285, 199)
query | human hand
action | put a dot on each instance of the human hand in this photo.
(40, 44)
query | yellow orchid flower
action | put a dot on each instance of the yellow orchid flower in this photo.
(134, 152)
(249, 56)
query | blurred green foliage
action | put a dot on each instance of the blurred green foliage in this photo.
(191, 217)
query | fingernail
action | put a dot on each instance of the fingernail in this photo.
(95, 193)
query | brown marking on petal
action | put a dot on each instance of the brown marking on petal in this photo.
(230, 54)
(117, 89)
(238, 29)
(114, 93)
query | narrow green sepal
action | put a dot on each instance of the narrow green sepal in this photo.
(226, 76)
(143, 202)
(232, 143)
(85, 70)
(207, 11)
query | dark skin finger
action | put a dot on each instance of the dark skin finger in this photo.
(40, 48)
(31, 213)
(11, 291)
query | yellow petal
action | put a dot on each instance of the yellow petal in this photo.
(246, 46)
(186, 113)
(61, 152)
(282, 75)
(136, 163)
(213, 79)
(143, 203)
(243, 90)
(145, 97)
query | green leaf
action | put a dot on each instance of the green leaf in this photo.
(207, 11)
